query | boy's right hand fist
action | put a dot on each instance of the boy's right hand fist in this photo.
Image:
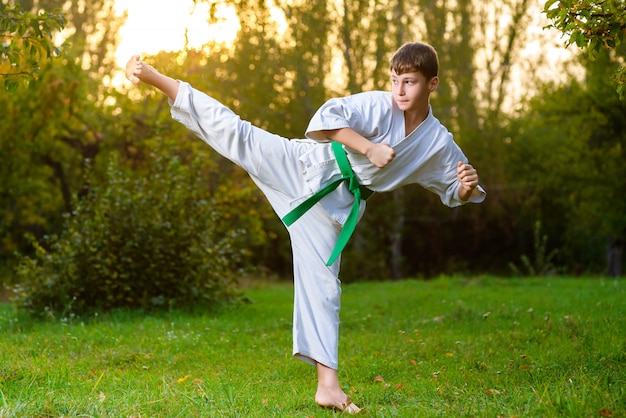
(134, 66)
(380, 154)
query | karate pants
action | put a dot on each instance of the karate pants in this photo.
(272, 163)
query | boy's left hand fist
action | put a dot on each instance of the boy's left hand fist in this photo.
(467, 175)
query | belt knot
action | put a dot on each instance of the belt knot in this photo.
(359, 192)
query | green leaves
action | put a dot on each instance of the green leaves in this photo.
(592, 25)
(26, 40)
(589, 23)
(154, 241)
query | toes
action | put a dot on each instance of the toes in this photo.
(347, 407)
(350, 408)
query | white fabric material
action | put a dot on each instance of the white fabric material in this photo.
(427, 156)
(289, 171)
(272, 163)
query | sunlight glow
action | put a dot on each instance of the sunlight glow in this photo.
(162, 25)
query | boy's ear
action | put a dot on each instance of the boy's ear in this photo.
(433, 83)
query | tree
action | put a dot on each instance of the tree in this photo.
(593, 25)
(50, 130)
(155, 241)
(27, 40)
(568, 152)
(304, 69)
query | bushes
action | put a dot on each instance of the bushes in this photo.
(159, 240)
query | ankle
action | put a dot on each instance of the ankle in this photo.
(327, 377)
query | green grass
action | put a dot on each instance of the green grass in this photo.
(483, 347)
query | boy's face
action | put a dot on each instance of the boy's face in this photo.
(411, 90)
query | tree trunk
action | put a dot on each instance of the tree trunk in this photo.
(615, 258)
(397, 260)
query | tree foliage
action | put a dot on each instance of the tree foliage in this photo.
(569, 151)
(47, 132)
(161, 240)
(26, 41)
(592, 25)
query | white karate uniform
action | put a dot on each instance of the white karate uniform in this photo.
(289, 171)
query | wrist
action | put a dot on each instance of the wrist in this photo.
(465, 193)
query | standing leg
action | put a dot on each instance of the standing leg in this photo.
(317, 304)
(317, 290)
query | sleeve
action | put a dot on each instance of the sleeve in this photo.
(442, 175)
(369, 114)
(203, 115)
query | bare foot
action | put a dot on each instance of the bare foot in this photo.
(137, 70)
(329, 393)
(337, 400)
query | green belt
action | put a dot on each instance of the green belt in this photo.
(355, 188)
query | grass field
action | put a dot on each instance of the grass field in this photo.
(480, 347)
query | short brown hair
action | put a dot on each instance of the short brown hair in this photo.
(415, 56)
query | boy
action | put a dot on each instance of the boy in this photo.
(368, 142)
